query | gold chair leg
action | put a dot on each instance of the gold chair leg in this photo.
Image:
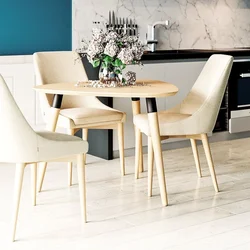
(121, 146)
(137, 151)
(33, 182)
(136, 108)
(85, 137)
(42, 170)
(141, 167)
(17, 195)
(156, 141)
(82, 185)
(209, 160)
(70, 164)
(196, 156)
(150, 166)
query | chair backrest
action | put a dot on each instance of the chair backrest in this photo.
(205, 97)
(18, 141)
(61, 66)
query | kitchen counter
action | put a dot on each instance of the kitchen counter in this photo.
(193, 53)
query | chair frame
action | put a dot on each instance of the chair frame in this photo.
(193, 139)
(20, 167)
(204, 98)
(54, 112)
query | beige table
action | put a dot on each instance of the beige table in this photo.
(150, 90)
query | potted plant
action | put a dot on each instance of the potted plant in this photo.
(112, 52)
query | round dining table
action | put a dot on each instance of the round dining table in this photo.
(149, 89)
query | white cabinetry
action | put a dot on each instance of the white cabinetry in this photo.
(18, 72)
(181, 73)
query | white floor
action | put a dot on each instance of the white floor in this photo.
(122, 217)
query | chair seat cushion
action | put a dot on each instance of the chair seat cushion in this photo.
(89, 116)
(169, 123)
(57, 136)
(51, 145)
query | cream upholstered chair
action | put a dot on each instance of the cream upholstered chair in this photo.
(77, 112)
(20, 144)
(195, 116)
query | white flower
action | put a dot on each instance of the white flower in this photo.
(111, 49)
(111, 35)
(126, 55)
(98, 35)
(108, 43)
(137, 50)
(95, 48)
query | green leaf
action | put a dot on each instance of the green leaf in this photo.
(118, 71)
(104, 64)
(123, 66)
(117, 62)
(96, 63)
(107, 59)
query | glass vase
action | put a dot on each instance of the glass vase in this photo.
(109, 77)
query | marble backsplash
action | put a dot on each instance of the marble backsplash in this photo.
(193, 23)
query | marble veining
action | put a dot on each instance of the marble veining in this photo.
(193, 23)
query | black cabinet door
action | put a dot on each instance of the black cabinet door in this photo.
(100, 140)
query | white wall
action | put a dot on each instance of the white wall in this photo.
(193, 23)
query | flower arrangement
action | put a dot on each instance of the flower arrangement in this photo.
(113, 51)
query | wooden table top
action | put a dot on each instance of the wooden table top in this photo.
(149, 88)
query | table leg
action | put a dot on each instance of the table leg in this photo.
(51, 126)
(156, 141)
(136, 109)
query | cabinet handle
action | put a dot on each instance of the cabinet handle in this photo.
(244, 75)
